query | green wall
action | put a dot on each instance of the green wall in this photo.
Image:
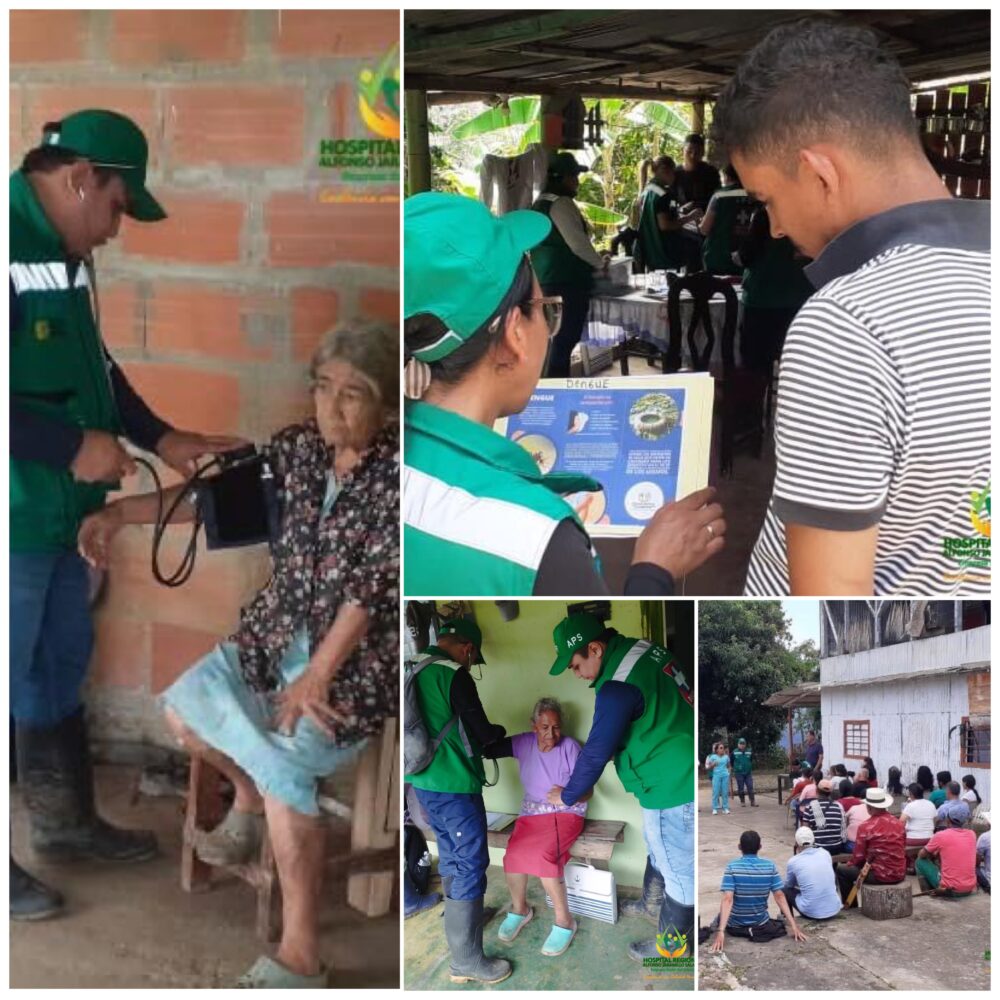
(518, 656)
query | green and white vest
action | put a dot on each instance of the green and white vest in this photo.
(732, 208)
(656, 764)
(477, 513)
(57, 368)
(458, 764)
(660, 250)
(552, 259)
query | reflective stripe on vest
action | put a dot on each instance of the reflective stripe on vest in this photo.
(629, 660)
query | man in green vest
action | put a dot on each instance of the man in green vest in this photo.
(565, 261)
(743, 770)
(726, 225)
(644, 721)
(450, 788)
(664, 244)
(70, 404)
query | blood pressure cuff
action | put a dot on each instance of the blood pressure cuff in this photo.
(239, 506)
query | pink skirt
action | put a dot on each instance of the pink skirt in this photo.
(540, 845)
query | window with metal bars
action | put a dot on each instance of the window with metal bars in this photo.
(975, 743)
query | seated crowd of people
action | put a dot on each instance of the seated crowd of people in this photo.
(850, 831)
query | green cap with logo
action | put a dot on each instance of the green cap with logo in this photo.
(459, 261)
(108, 139)
(467, 629)
(571, 636)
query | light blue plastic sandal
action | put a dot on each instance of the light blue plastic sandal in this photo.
(559, 940)
(512, 924)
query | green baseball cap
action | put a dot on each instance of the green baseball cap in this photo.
(561, 164)
(465, 628)
(459, 261)
(108, 139)
(570, 636)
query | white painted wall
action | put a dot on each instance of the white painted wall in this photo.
(910, 719)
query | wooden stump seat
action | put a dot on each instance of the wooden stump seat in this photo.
(887, 902)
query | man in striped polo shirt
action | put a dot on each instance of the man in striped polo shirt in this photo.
(882, 430)
(747, 883)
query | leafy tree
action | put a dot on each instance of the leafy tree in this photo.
(744, 656)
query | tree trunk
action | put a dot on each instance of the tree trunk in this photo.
(887, 902)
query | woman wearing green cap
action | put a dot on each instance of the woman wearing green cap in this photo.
(480, 518)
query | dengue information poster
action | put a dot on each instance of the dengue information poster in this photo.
(645, 439)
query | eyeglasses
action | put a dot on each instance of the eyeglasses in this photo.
(552, 310)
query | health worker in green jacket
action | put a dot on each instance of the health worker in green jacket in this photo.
(644, 721)
(479, 516)
(70, 404)
(450, 789)
(566, 261)
(664, 242)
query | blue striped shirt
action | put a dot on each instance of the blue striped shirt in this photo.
(751, 880)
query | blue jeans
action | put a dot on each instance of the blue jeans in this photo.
(459, 823)
(744, 783)
(51, 635)
(669, 835)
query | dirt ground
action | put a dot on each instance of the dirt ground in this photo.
(943, 946)
(131, 926)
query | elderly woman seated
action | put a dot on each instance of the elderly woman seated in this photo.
(543, 833)
(312, 669)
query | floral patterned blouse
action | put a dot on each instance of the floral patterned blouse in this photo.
(319, 563)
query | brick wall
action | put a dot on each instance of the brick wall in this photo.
(214, 312)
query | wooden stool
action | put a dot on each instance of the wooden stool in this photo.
(887, 902)
(372, 860)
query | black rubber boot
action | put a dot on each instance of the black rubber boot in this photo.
(463, 927)
(753, 801)
(29, 898)
(675, 920)
(648, 905)
(56, 777)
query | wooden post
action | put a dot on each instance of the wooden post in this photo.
(887, 902)
(791, 744)
(698, 116)
(418, 145)
(204, 810)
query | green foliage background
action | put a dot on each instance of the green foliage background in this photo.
(745, 654)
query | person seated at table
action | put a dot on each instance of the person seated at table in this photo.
(969, 793)
(810, 886)
(747, 883)
(726, 225)
(918, 817)
(983, 855)
(696, 180)
(664, 243)
(880, 843)
(544, 833)
(565, 260)
(313, 668)
(479, 516)
(948, 860)
(940, 792)
(825, 818)
(953, 807)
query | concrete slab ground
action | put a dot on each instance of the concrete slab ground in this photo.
(596, 960)
(131, 926)
(941, 947)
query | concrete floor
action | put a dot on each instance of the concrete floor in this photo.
(131, 926)
(744, 495)
(596, 960)
(941, 947)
